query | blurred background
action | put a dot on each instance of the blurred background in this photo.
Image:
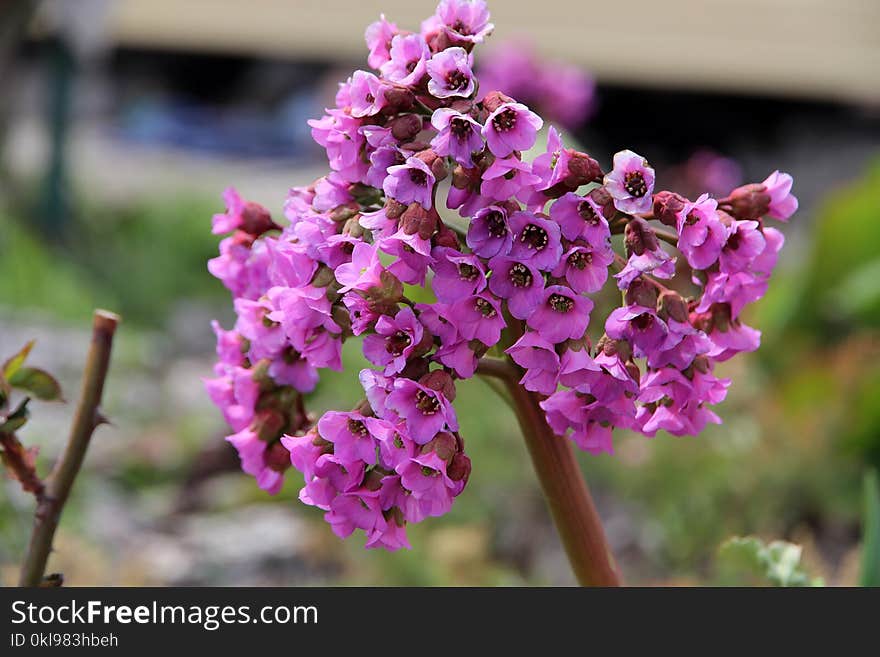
(122, 121)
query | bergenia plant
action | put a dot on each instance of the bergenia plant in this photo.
(429, 187)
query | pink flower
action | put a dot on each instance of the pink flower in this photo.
(456, 274)
(408, 56)
(540, 360)
(519, 282)
(511, 127)
(363, 272)
(425, 411)
(411, 182)
(507, 178)
(351, 439)
(478, 317)
(465, 21)
(489, 233)
(367, 94)
(783, 203)
(395, 341)
(630, 183)
(536, 240)
(378, 37)
(450, 74)
(458, 135)
(562, 315)
(585, 268)
(580, 218)
(701, 233)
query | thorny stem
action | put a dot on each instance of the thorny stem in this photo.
(60, 481)
(577, 521)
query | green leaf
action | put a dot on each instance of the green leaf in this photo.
(39, 383)
(17, 419)
(871, 532)
(11, 366)
(779, 563)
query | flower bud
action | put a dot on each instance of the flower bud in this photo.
(277, 457)
(633, 371)
(463, 178)
(398, 100)
(641, 292)
(415, 369)
(582, 169)
(405, 126)
(460, 468)
(495, 99)
(417, 219)
(385, 296)
(671, 304)
(343, 213)
(667, 205)
(445, 236)
(353, 227)
(256, 220)
(639, 237)
(268, 424)
(747, 202)
(443, 445)
(393, 209)
(441, 381)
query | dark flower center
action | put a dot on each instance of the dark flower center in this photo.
(733, 241)
(587, 213)
(357, 428)
(520, 275)
(635, 185)
(398, 441)
(428, 472)
(484, 308)
(560, 303)
(456, 80)
(505, 120)
(418, 177)
(397, 343)
(643, 321)
(495, 224)
(580, 259)
(411, 66)
(370, 98)
(427, 404)
(467, 272)
(691, 219)
(460, 129)
(534, 237)
(462, 28)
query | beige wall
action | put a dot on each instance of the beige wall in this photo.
(812, 48)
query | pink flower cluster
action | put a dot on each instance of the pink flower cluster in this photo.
(404, 142)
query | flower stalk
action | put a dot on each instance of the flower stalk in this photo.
(60, 481)
(565, 491)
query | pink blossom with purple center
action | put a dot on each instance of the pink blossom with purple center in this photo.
(456, 274)
(562, 315)
(489, 232)
(578, 370)
(413, 256)
(364, 270)
(458, 136)
(362, 315)
(580, 217)
(378, 222)
(459, 356)
(291, 369)
(435, 317)
(464, 20)
(765, 263)
(376, 388)
(300, 308)
(408, 57)
(736, 290)
(536, 240)
(744, 244)
(304, 453)
(378, 37)
(508, 177)
(478, 317)
(450, 74)
(540, 361)
(394, 341)
(411, 182)
(395, 447)
(701, 235)
(631, 183)
(337, 250)
(585, 268)
(550, 166)
(657, 263)
(235, 394)
(339, 134)
(783, 203)
(352, 440)
(367, 94)
(639, 326)
(425, 411)
(355, 510)
(736, 338)
(289, 263)
(229, 347)
(683, 344)
(511, 127)
(520, 282)
(254, 322)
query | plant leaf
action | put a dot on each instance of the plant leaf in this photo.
(871, 531)
(11, 366)
(39, 383)
(17, 419)
(779, 563)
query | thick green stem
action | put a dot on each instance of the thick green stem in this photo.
(571, 506)
(61, 480)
